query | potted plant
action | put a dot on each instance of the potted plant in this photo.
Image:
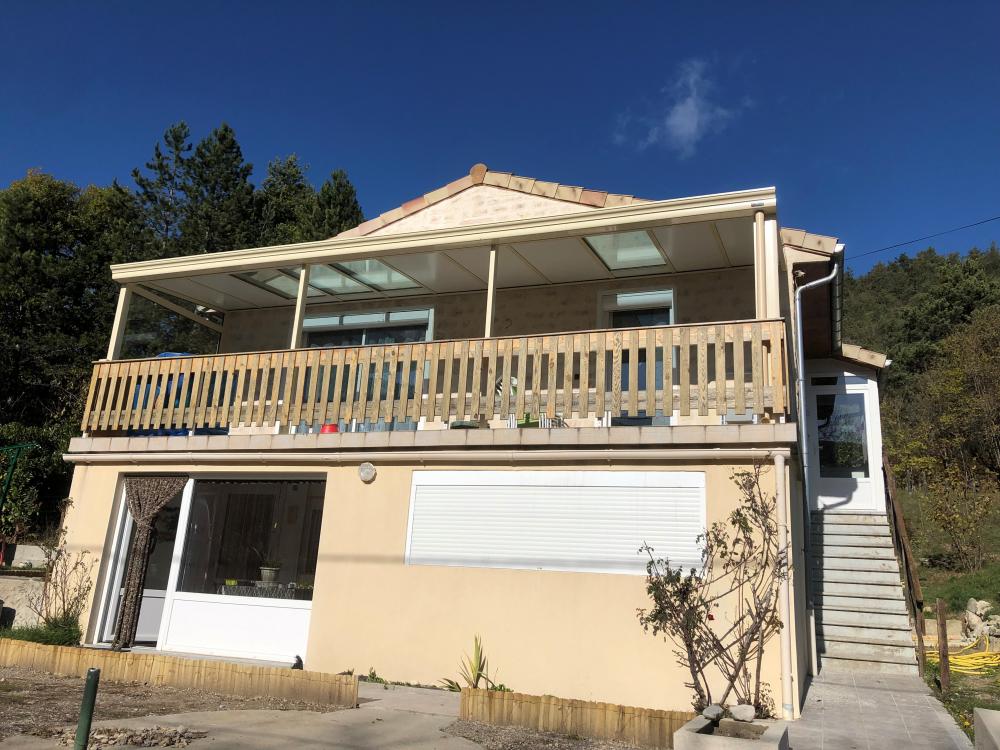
(269, 570)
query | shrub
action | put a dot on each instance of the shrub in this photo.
(55, 633)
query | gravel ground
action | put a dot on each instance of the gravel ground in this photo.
(515, 738)
(41, 703)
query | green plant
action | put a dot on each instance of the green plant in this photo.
(66, 589)
(742, 566)
(373, 676)
(474, 670)
(59, 632)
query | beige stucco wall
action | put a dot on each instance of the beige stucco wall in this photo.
(703, 296)
(573, 635)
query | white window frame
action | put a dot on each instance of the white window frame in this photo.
(607, 303)
(386, 322)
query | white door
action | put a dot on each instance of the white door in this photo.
(157, 574)
(845, 442)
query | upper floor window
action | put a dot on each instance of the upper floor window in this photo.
(640, 309)
(368, 328)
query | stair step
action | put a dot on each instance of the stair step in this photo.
(875, 519)
(876, 620)
(856, 576)
(880, 652)
(844, 540)
(851, 529)
(822, 562)
(868, 636)
(873, 553)
(854, 588)
(829, 603)
(829, 663)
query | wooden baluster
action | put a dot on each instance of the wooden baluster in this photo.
(778, 367)
(287, 390)
(535, 348)
(245, 409)
(522, 377)
(191, 394)
(127, 375)
(157, 368)
(631, 338)
(684, 371)
(448, 353)
(106, 398)
(668, 372)
(616, 374)
(650, 373)
(419, 367)
(720, 370)
(391, 365)
(476, 372)
(433, 359)
(199, 399)
(461, 398)
(552, 395)
(138, 399)
(600, 373)
(169, 394)
(338, 368)
(583, 402)
(505, 349)
(702, 371)
(363, 378)
(312, 378)
(739, 369)
(403, 398)
(756, 363)
(375, 378)
(88, 411)
(491, 379)
(323, 377)
(566, 344)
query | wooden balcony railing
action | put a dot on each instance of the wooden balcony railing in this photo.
(739, 366)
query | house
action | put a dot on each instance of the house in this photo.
(464, 417)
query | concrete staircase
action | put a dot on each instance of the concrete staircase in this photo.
(862, 622)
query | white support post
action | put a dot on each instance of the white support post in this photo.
(772, 296)
(759, 265)
(491, 289)
(300, 308)
(121, 318)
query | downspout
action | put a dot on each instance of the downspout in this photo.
(784, 602)
(803, 417)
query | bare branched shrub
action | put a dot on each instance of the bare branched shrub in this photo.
(721, 616)
(68, 582)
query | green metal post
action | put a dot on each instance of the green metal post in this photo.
(87, 709)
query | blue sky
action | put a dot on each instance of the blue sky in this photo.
(877, 122)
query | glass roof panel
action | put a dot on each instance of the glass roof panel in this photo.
(625, 250)
(277, 282)
(375, 273)
(330, 280)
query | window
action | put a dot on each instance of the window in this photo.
(624, 250)
(253, 538)
(583, 521)
(367, 329)
(640, 310)
(843, 449)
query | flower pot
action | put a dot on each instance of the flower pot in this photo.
(702, 734)
(269, 575)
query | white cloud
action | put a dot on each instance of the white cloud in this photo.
(687, 113)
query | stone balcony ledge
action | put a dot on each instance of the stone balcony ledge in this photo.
(779, 435)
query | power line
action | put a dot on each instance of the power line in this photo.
(929, 236)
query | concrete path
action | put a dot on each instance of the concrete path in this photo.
(399, 717)
(862, 711)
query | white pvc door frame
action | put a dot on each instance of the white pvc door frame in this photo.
(869, 495)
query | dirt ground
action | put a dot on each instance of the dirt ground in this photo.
(515, 738)
(41, 703)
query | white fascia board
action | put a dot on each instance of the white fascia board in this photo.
(638, 216)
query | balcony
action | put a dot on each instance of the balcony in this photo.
(712, 373)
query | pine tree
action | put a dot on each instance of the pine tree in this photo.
(220, 196)
(285, 204)
(337, 207)
(163, 194)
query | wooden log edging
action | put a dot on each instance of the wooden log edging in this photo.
(203, 674)
(647, 727)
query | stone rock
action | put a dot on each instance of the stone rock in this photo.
(982, 607)
(743, 712)
(972, 605)
(713, 713)
(972, 625)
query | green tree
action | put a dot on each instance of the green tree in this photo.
(219, 213)
(286, 203)
(163, 192)
(337, 208)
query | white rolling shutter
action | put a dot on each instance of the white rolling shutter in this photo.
(587, 521)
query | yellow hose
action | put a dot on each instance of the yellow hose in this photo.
(966, 661)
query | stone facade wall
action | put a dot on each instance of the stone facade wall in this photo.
(704, 296)
(483, 204)
(14, 593)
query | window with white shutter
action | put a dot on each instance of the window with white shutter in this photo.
(586, 521)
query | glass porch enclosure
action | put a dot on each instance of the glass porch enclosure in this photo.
(581, 326)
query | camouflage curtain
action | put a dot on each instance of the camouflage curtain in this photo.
(145, 497)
